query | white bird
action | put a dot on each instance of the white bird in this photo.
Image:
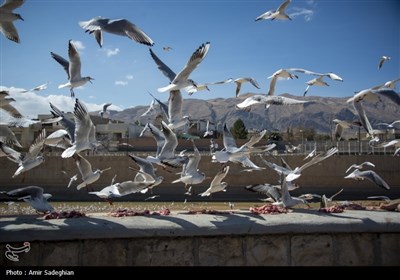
(157, 135)
(167, 154)
(38, 88)
(30, 159)
(147, 168)
(276, 14)
(370, 175)
(389, 125)
(34, 196)
(199, 87)
(85, 168)
(85, 131)
(268, 100)
(315, 82)
(181, 80)
(7, 136)
(380, 197)
(240, 81)
(5, 101)
(190, 174)
(389, 84)
(330, 75)
(151, 197)
(287, 200)
(208, 131)
(73, 68)
(340, 127)
(151, 108)
(121, 27)
(7, 17)
(312, 153)
(382, 60)
(216, 184)
(104, 114)
(280, 74)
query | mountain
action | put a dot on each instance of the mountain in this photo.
(317, 114)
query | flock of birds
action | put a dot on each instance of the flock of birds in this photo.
(79, 135)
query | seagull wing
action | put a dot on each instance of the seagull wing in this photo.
(375, 178)
(64, 63)
(145, 165)
(133, 32)
(163, 67)
(75, 62)
(193, 62)
(11, 4)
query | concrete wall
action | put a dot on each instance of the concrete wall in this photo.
(326, 177)
(353, 238)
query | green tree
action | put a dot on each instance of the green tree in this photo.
(239, 130)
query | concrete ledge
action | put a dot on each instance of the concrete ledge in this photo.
(303, 237)
(101, 226)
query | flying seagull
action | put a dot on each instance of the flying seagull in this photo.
(276, 14)
(121, 27)
(382, 60)
(181, 80)
(34, 196)
(7, 17)
(73, 68)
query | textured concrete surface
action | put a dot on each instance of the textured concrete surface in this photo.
(303, 237)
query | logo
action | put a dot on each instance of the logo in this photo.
(12, 252)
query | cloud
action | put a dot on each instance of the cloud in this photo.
(110, 52)
(30, 104)
(121, 83)
(129, 77)
(308, 14)
(78, 44)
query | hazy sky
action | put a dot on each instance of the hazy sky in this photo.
(344, 37)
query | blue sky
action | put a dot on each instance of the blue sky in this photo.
(344, 37)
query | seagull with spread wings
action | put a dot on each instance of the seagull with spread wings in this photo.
(72, 67)
(121, 27)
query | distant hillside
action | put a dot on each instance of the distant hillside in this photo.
(316, 114)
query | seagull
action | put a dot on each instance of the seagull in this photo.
(7, 17)
(330, 75)
(167, 154)
(7, 136)
(370, 175)
(382, 60)
(85, 131)
(389, 84)
(312, 153)
(340, 126)
(85, 168)
(276, 14)
(268, 100)
(73, 68)
(287, 200)
(190, 174)
(121, 27)
(38, 88)
(315, 82)
(151, 197)
(240, 81)
(151, 108)
(181, 80)
(208, 131)
(199, 87)
(157, 135)
(389, 125)
(280, 74)
(147, 168)
(104, 114)
(360, 166)
(30, 159)
(217, 185)
(34, 196)
(167, 49)
(5, 101)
